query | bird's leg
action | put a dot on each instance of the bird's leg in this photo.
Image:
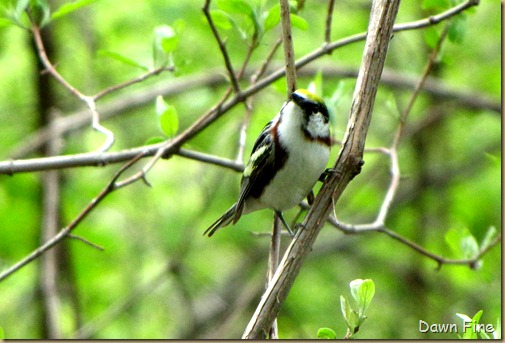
(279, 214)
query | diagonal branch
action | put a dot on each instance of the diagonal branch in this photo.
(65, 232)
(346, 167)
(222, 47)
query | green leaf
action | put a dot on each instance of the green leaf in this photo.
(346, 308)
(484, 335)
(273, 17)
(326, 333)
(476, 317)
(121, 58)
(457, 29)
(469, 246)
(490, 235)
(350, 316)
(21, 6)
(221, 19)
(431, 37)
(244, 8)
(354, 285)
(5, 22)
(14, 13)
(462, 243)
(364, 292)
(298, 22)
(2, 335)
(469, 333)
(167, 114)
(40, 12)
(154, 140)
(166, 37)
(235, 6)
(165, 41)
(497, 329)
(67, 8)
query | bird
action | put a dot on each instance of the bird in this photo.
(288, 158)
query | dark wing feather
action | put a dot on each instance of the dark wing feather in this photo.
(259, 169)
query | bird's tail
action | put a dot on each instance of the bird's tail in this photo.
(223, 221)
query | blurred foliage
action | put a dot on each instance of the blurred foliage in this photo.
(158, 277)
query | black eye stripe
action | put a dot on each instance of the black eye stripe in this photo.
(311, 107)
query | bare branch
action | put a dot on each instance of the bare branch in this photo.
(329, 16)
(102, 159)
(222, 47)
(141, 78)
(441, 260)
(289, 54)
(248, 103)
(85, 241)
(435, 19)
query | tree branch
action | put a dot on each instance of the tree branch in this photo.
(289, 54)
(128, 83)
(346, 167)
(329, 16)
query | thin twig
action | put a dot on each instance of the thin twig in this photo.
(329, 16)
(63, 233)
(435, 19)
(141, 78)
(273, 262)
(89, 101)
(86, 241)
(248, 103)
(222, 47)
(441, 260)
(392, 151)
(48, 65)
(287, 41)
(356, 229)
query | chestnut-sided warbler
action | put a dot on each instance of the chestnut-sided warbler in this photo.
(288, 158)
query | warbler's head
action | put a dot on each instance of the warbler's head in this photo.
(310, 111)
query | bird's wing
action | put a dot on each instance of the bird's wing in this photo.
(259, 170)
